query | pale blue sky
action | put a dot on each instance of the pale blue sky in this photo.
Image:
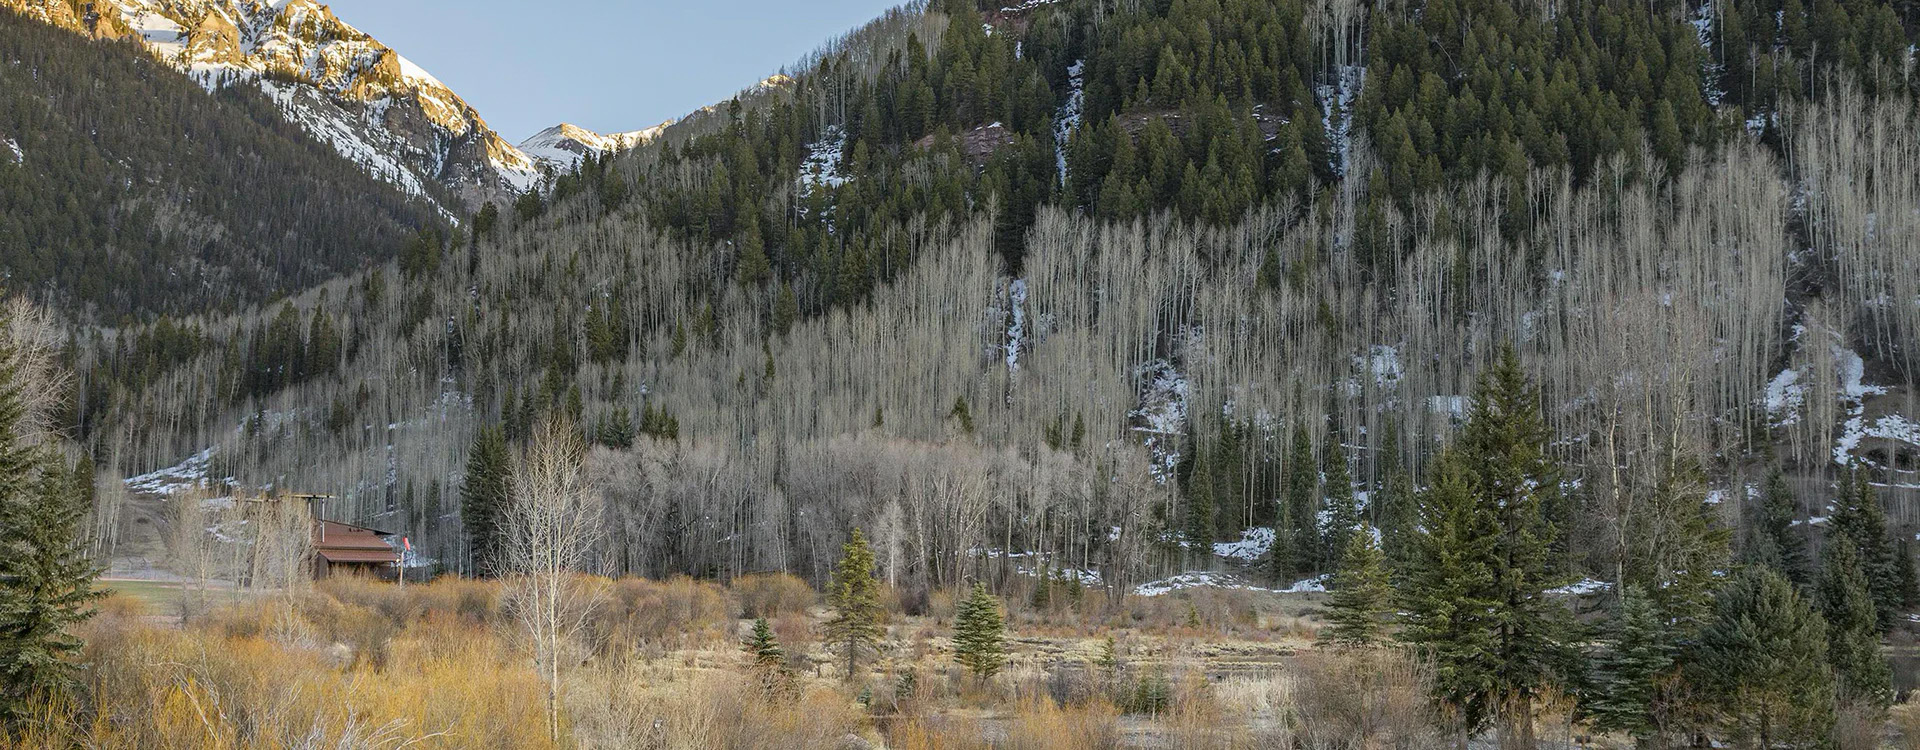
(604, 65)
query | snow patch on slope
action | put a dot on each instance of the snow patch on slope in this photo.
(1069, 117)
(1253, 545)
(1162, 415)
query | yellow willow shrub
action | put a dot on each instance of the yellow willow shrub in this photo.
(447, 682)
(711, 711)
(770, 595)
(680, 611)
(1041, 724)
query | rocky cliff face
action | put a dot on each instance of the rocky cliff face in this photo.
(345, 87)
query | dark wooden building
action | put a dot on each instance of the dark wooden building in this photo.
(345, 548)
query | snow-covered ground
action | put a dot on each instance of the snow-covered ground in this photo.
(13, 147)
(1017, 326)
(181, 477)
(1583, 587)
(1163, 414)
(1252, 546)
(1336, 105)
(1785, 395)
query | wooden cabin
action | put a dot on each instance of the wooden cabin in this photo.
(345, 548)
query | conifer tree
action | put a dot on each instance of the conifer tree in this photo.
(1763, 664)
(1343, 509)
(1360, 600)
(1302, 505)
(763, 646)
(1448, 595)
(979, 633)
(1503, 444)
(1773, 540)
(485, 496)
(854, 594)
(1200, 510)
(1396, 510)
(1857, 516)
(1862, 675)
(46, 577)
(1627, 675)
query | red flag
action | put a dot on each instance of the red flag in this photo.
(407, 543)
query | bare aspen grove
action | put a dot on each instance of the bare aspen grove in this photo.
(1652, 312)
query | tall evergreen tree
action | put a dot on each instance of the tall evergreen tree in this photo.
(1625, 689)
(1857, 516)
(1763, 664)
(1200, 509)
(854, 594)
(1343, 508)
(1503, 444)
(1448, 595)
(485, 496)
(46, 577)
(1396, 509)
(1302, 505)
(1360, 600)
(1862, 675)
(1773, 540)
(979, 633)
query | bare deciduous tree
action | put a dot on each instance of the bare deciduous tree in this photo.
(553, 529)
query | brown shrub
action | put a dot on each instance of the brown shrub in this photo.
(771, 595)
(1364, 698)
(1041, 724)
(680, 611)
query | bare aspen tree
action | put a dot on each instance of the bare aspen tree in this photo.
(553, 527)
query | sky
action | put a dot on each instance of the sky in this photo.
(605, 65)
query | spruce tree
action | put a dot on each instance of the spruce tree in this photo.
(46, 577)
(1773, 540)
(979, 633)
(1303, 505)
(1762, 663)
(1448, 595)
(1361, 598)
(1857, 516)
(854, 594)
(1862, 675)
(763, 646)
(1627, 675)
(1200, 510)
(485, 495)
(1343, 509)
(1395, 508)
(1503, 445)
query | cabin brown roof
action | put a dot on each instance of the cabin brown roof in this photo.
(338, 542)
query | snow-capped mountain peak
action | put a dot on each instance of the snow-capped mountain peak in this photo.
(562, 146)
(367, 101)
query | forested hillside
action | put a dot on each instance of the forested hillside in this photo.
(127, 189)
(1105, 284)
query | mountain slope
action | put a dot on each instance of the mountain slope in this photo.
(561, 147)
(352, 92)
(1072, 280)
(125, 188)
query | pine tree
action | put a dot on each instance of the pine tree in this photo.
(763, 646)
(1857, 516)
(1448, 595)
(979, 633)
(1503, 445)
(46, 577)
(484, 498)
(854, 595)
(1763, 663)
(1396, 510)
(1343, 509)
(1862, 675)
(1359, 604)
(1627, 674)
(1200, 510)
(1303, 505)
(1773, 540)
